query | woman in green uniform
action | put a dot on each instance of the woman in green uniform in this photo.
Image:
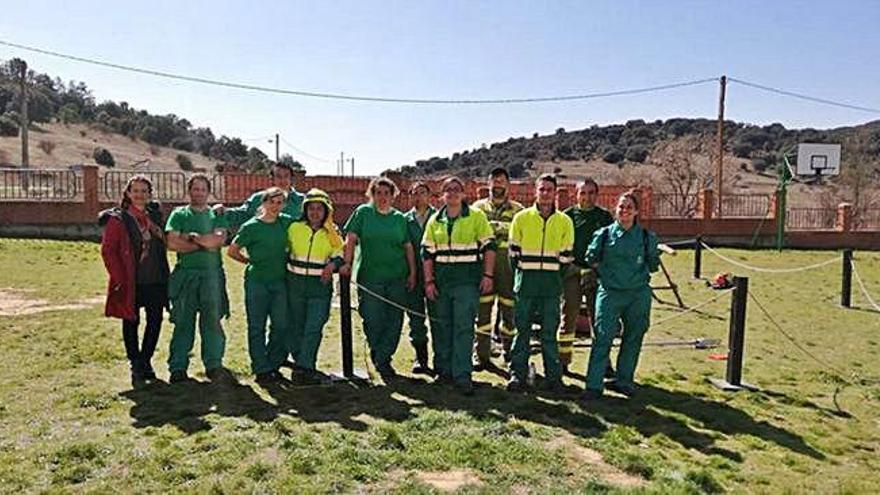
(385, 269)
(315, 252)
(459, 252)
(624, 254)
(264, 239)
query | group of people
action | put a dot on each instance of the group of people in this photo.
(447, 269)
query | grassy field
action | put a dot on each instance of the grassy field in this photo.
(71, 421)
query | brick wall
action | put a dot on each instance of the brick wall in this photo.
(74, 219)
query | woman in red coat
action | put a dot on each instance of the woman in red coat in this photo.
(133, 248)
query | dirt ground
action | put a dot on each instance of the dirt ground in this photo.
(17, 302)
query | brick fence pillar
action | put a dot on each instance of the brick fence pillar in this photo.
(90, 191)
(843, 222)
(705, 204)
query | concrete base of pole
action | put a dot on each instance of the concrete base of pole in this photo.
(726, 386)
(360, 378)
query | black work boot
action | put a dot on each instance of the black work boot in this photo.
(420, 366)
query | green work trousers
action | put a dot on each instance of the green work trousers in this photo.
(577, 284)
(309, 314)
(266, 301)
(547, 310)
(503, 293)
(418, 331)
(382, 321)
(452, 330)
(199, 292)
(633, 308)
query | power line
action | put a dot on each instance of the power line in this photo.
(338, 96)
(792, 94)
(305, 153)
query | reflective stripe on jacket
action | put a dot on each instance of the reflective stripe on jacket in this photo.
(499, 217)
(309, 250)
(539, 244)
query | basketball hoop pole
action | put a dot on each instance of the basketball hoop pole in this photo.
(784, 171)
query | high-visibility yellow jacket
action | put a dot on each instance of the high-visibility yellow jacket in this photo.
(456, 245)
(499, 217)
(309, 250)
(539, 250)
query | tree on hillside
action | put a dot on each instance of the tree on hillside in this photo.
(292, 162)
(684, 171)
(860, 170)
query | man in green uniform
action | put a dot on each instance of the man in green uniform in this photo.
(264, 239)
(416, 218)
(541, 242)
(580, 281)
(458, 248)
(624, 255)
(197, 285)
(282, 178)
(499, 209)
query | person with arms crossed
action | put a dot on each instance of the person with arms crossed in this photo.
(197, 286)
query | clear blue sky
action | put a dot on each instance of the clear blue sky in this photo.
(456, 49)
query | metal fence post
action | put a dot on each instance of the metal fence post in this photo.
(846, 279)
(345, 327)
(698, 257)
(736, 339)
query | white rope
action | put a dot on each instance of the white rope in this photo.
(395, 304)
(692, 309)
(863, 288)
(769, 270)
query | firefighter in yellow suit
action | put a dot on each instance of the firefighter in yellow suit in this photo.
(499, 211)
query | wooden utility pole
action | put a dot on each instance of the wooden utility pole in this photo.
(719, 173)
(352, 166)
(276, 149)
(22, 73)
(341, 163)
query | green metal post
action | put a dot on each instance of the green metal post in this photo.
(784, 178)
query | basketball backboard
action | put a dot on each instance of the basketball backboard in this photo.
(818, 159)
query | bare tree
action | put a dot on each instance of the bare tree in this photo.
(861, 170)
(684, 169)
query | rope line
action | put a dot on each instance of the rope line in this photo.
(395, 304)
(768, 270)
(794, 341)
(693, 308)
(304, 152)
(863, 288)
(800, 96)
(349, 97)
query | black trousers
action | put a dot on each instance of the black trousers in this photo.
(152, 298)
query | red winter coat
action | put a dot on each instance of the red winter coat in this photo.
(116, 250)
(119, 252)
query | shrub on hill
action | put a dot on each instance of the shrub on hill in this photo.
(102, 156)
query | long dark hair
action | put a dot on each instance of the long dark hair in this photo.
(125, 202)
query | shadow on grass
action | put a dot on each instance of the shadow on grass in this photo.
(653, 411)
(645, 413)
(185, 404)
